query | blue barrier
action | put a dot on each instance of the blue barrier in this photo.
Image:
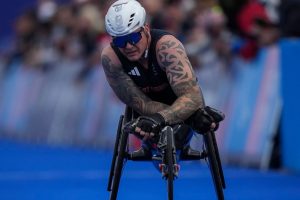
(290, 69)
(254, 110)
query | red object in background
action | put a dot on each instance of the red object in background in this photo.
(249, 49)
(248, 15)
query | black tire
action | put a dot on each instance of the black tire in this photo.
(213, 165)
(121, 159)
(115, 153)
(218, 160)
(170, 162)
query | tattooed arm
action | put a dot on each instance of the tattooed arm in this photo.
(172, 58)
(125, 88)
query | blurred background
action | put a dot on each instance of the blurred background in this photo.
(53, 92)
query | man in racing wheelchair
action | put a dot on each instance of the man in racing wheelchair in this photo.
(149, 71)
(202, 121)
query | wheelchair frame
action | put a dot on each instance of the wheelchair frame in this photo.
(169, 165)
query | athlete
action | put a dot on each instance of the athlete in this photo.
(150, 72)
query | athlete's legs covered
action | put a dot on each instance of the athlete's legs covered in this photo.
(182, 136)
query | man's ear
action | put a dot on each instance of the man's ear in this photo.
(147, 30)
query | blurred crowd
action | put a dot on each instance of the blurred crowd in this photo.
(75, 30)
(54, 59)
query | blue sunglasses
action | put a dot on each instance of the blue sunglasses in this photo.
(132, 38)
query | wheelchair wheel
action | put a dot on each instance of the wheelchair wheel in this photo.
(218, 160)
(121, 158)
(115, 153)
(213, 164)
(170, 162)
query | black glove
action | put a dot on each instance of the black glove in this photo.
(203, 119)
(217, 115)
(151, 124)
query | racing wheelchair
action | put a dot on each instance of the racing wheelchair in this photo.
(168, 156)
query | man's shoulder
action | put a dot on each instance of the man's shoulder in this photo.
(108, 56)
(107, 51)
(169, 44)
(167, 39)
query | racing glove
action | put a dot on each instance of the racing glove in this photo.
(151, 124)
(203, 119)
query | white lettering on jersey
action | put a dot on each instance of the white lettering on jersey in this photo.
(134, 72)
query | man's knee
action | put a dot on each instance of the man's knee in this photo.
(183, 134)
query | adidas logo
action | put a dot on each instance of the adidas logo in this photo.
(134, 72)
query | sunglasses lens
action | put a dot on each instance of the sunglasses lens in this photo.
(120, 41)
(135, 38)
(132, 38)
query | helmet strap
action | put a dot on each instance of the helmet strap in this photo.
(146, 52)
(147, 49)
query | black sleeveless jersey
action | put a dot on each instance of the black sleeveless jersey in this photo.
(152, 81)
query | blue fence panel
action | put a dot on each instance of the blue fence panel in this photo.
(254, 110)
(290, 68)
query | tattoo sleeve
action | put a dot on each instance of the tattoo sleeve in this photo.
(173, 59)
(127, 91)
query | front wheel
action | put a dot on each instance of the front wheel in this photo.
(170, 162)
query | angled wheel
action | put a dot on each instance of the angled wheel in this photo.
(218, 160)
(119, 155)
(115, 154)
(213, 164)
(120, 162)
(170, 162)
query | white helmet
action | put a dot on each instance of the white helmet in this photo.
(124, 17)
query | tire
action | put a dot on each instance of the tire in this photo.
(218, 160)
(213, 164)
(115, 154)
(170, 162)
(120, 162)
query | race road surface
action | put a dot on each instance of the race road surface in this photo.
(35, 172)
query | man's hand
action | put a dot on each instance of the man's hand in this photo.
(207, 119)
(149, 126)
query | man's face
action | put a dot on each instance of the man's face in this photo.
(132, 45)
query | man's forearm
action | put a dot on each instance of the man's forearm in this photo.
(150, 107)
(182, 109)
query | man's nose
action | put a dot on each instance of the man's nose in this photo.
(129, 45)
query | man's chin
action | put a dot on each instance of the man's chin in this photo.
(133, 58)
